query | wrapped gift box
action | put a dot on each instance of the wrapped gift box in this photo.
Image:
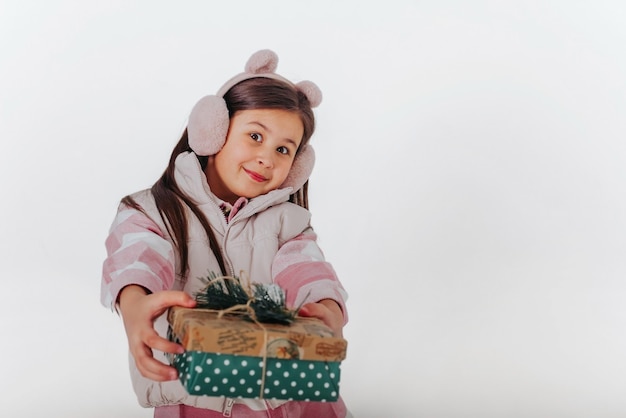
(229, 355)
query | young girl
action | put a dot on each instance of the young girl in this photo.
(232, 199)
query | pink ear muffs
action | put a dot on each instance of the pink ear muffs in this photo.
(208, 121)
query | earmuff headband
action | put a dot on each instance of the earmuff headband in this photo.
(208, 123)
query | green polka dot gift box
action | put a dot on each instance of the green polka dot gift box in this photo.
(228, 355)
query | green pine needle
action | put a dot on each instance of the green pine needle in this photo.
(266, 300)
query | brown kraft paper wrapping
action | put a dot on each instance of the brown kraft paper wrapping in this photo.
(305, 339)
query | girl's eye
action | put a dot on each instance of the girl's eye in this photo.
(256, 137)
(283, 150)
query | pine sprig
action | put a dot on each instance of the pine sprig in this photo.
(221, 293)
(267, 301)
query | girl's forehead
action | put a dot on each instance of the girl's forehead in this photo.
(266, 117)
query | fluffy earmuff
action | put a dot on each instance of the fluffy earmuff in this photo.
(208, 121)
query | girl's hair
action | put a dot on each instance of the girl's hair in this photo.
(253, 93)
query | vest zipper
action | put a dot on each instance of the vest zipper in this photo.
(228, 407)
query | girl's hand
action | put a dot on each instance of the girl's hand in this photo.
(139, 310)
(328, 311)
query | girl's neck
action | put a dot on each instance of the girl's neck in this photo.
(218, 188)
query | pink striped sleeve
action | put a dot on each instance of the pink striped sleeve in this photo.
(137, 254)
(301, 270)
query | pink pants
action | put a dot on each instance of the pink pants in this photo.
(289, 410)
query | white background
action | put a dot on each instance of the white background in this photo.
(469, 190)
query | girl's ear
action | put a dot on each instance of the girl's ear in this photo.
(301, 169)
(208, 125)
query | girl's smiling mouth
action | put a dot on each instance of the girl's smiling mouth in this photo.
(255, 176)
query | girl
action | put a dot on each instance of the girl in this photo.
(232, 199)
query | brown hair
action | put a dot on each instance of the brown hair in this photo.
(253, 93)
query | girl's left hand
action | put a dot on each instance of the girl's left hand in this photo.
(328, 311)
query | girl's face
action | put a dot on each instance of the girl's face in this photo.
(257, 156)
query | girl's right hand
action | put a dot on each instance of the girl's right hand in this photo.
(139, 310)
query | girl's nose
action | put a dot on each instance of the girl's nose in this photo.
(265, 158)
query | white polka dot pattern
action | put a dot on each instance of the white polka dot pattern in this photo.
(212, 374)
